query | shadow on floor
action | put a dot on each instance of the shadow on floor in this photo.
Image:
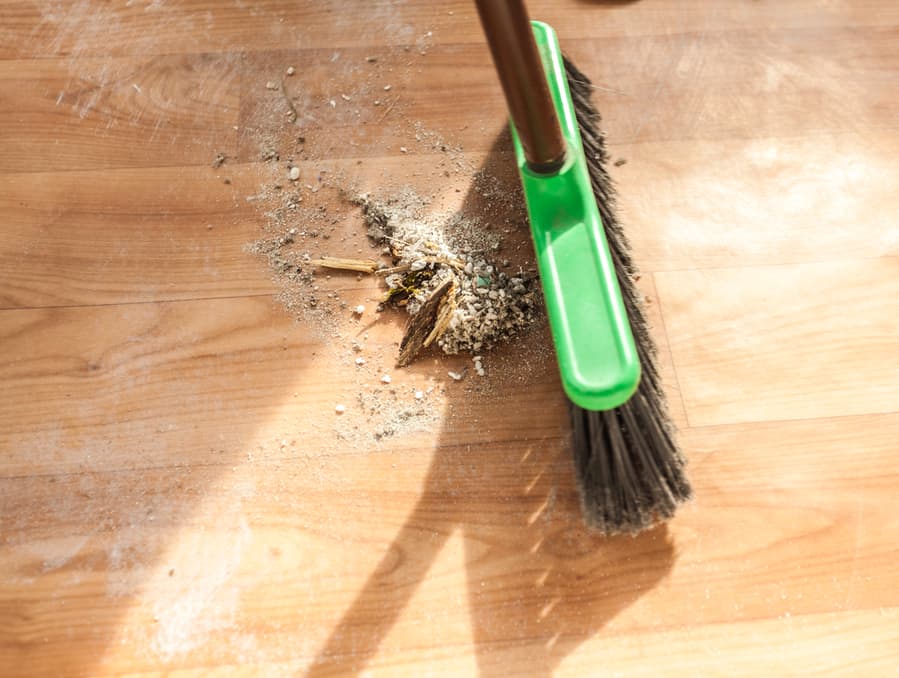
(539, 583)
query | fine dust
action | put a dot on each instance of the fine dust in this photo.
(318, 199)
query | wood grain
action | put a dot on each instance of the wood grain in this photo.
(133, 385)
(148, 240)
(44, 29)
(61, 114)
(823, 339)
(152, 240)
(815, 198)
(676, 89)
(179, 496)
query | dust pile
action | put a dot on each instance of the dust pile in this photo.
(321, 201)
(489, 305)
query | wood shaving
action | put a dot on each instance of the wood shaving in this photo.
(428, 323)
(361, 265)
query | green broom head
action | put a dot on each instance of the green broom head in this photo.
(629, 469)
(597, 357)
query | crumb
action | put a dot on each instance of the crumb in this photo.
(271, 85)
(386, 379)
(219, 160)
(340, 409)
(290, 70)
(478, 367)
(294, 173)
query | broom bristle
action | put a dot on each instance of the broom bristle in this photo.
(629, 468)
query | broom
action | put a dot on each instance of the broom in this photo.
(630, 472)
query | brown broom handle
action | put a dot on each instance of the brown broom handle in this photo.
(520, 70)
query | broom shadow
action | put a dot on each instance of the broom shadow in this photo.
(539, 583)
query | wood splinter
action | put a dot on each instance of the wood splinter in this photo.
(429, 323)
(360, 265)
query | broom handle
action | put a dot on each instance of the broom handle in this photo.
(520, 70)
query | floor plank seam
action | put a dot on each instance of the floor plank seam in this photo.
(677, 381)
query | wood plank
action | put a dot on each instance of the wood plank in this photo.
(85, 29)
(815, 198)
(720, 85)
(147, 111)
(833, 644)
(119, 112)
(784, 342)
(173, 233)
(689, 87)
(165, 233)
(135, 385)
(123, 112)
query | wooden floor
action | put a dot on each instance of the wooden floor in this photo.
(174, 496)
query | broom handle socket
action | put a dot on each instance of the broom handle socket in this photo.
(520, 71)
